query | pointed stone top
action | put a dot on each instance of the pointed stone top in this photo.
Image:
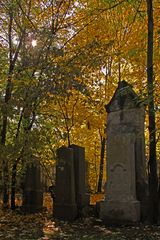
(123, 98)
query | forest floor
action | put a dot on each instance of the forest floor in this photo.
(42, 226)
(15, 226)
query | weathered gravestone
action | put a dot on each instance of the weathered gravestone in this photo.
(32, 188)
(70, 190)
(64, 206)
(126, 188)
(82, 199)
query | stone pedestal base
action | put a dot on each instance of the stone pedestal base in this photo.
(119, 212)
(66, 212)
(83, 200)
(32, 201)
(87, 199)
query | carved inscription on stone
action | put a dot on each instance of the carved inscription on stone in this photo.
(121, 171)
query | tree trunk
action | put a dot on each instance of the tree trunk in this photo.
(5, 112)
(152, 164)
(3, 142)
(13, 185)
(101, 167)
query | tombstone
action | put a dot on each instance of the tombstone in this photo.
(33, 188)
(82, 198)
(65, 207)
(126, 188)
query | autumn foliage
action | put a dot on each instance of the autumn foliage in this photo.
(60, 64)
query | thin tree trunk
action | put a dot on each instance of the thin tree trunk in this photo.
(16, 162)
(101, 167)
(5, 115)
(13, 185)
(14, 180)
(14, 169)
(153, 178)
(8, 95)
(3, 142)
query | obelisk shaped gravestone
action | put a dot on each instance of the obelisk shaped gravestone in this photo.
(126, 178)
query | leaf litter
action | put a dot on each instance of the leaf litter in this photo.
(42, 226)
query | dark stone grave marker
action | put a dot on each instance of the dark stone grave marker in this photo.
(64, 206)
(82, 198)
(33, 188)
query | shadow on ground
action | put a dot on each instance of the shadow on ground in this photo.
(15, 226)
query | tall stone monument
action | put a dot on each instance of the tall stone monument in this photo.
(126, 188)
(33, 188)
(82, 198)
(65, 206)
(70, 189)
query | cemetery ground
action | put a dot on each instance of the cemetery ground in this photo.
(42, 226)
